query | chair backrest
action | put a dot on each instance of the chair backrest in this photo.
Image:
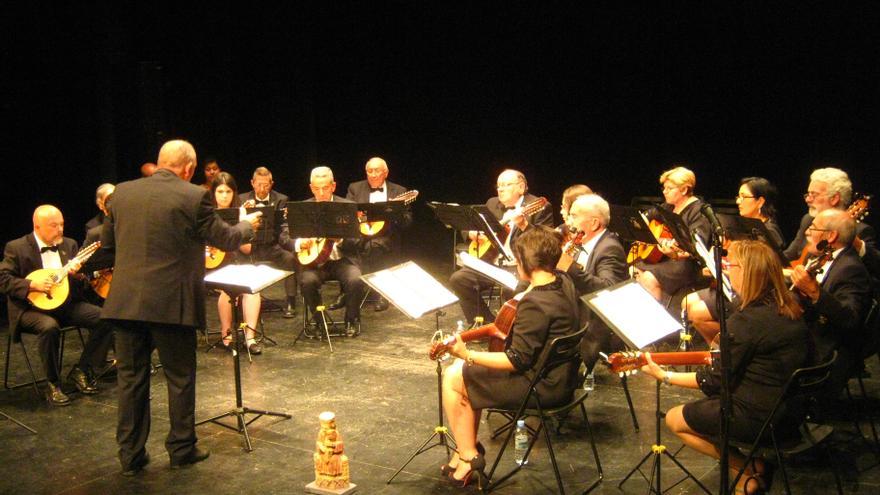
(809, 381)
(561, 350)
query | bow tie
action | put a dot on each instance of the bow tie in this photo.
(377, 189)
(509, 208)
(48, 248)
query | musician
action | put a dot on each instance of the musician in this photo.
(380, 250)
(278, 250)
(768, 341)
(46, 247)
(677, 270)
(477, 380)
(343, 263)
(101, 194)
(224, 192)
(148, 169)
(570, 194)
(158, 297)
(756, 199)
(838, 298)
(599, 263)
(507, 206)
(212, 168)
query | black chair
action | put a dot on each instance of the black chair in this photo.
(17, 337)
(802, 386)
(870, 347)
(561, 351)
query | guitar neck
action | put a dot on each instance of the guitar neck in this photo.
(682, 358)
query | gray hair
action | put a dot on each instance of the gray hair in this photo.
(838, 183)
(320, 173)
(840, 222)
(261, 172)
(103, 191)
(594, 204)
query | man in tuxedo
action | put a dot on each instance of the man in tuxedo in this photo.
(598, 263)
(507, 208)
(46, 247)
(343, 263)
(837, 299)
(276, 249)
(158, 227)
(380, 250)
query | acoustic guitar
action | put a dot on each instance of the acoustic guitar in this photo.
(627, 362)
(56, 296)
(858, 210)
(650, 253)
(370, 229)
(317, 253)
(482, 248)
(496, 331)
(213, 257)
(569, 252)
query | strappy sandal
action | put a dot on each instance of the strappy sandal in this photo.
(447, 470)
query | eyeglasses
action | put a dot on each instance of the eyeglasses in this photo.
(816, 229)
(669, 188)
(742, 197)
(509, 184)
(812, 194)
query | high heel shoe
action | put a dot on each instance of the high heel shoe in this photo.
(447, 470)
(478, 466)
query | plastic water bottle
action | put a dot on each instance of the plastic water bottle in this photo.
(459, 327)
(589, 382)
(521, 442)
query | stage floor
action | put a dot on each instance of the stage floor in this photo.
(382, 387)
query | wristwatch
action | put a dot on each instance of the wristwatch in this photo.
(666, 377)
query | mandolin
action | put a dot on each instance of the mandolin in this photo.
(213, 257)
(317, 253)
(625, 362)
(372, 228)
(858, 210)
(496, 331)
(482, 248)
(56, 296)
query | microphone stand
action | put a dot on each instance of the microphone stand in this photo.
(726, 409)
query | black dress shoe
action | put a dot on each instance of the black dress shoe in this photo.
(339, 303)
(353, 328)
(82, 381)
(255, 349)
(56, 396)
(137, 466)
(381, 305)
(197, 455)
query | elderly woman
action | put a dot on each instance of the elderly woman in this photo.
(476, 380)
(768, 341)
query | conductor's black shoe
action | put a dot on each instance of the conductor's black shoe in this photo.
(289, 311)
(353, 328)
(56, 396)
(197, 455)
(137, 466)
(338, 303)
(381, 305)
(82, 382)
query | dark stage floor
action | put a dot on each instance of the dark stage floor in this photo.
(382, 387)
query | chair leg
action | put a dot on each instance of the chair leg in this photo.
(870, 415)
(595, 451)
(780, 461)
(552, 455)
(830, 459)
(30, 368)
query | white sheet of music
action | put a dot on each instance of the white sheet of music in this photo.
(252, 277)
(411, 289)
(499, 275)
(708, 256)
(631, 310)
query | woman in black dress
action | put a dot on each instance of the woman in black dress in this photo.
(756, 199)
(768, 341)
(547, 309)
(677, 270)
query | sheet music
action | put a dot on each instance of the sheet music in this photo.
(633, 314)
(252, 278)
(411, 289)
(708, 256)
(499, 275)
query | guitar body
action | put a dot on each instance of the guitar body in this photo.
(316, 254)
(496, 332)
(650, 253)
(101, 283)
(56, 296)
(569, 251)
(622, 362)
(213, 257)
(483, 249)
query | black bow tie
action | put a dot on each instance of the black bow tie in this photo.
(509, 208)
(48, 248)
(377, 189)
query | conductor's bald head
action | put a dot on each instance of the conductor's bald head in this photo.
(178, 156)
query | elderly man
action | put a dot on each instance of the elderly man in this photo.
(101, 194)
(837, 299)
(343, 263)
(597, 263)
(276, 249)
(46, 247)
(158, 227)
(507, 207)
(379, 250)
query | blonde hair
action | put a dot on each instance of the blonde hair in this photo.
(680, 176)
(762, 277)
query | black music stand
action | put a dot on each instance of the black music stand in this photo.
(415, 293)
(680, 231)
(19, 423)
(471, 217)
(737, 227)
(236, 280)
(639, 329)
(630, 225)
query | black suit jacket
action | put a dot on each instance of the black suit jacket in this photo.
(606, 266)
(543, 216)
(349, 248)
(279, 201)
(359, 192)
(158, 227)
(20, 257)
(863, 230)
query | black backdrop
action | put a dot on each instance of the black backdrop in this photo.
(449, 94)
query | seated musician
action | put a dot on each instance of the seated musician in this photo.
(598, 263)
(570, 194)
(212, 168)
(225, 193)
(830, 188)
(46, 247)
(380, 250)
(506, 207)
(768, 341)
(836, 300)
(277, 249)
(677, 270)
(756, 199)
(343, 263)
(477, 380)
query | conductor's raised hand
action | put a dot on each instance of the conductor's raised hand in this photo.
(254, 218)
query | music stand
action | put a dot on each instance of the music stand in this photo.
(638, 329)
(471, 217)
(415, 293)
(630, 224)
(738, 227)
(236, 280)
(680, 231)
(19, 423)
